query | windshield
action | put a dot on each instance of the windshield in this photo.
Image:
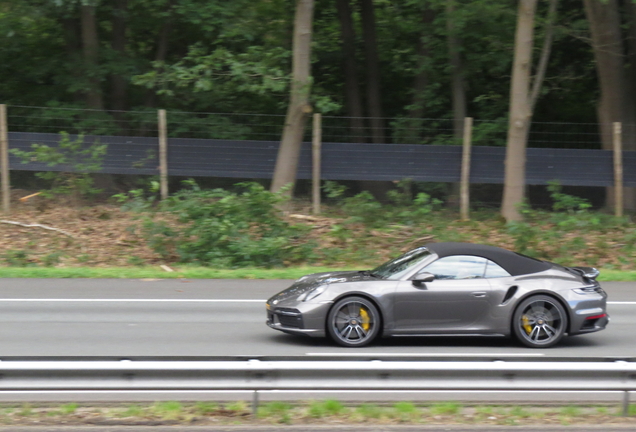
(401, 265)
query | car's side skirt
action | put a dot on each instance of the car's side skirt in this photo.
(445, 334)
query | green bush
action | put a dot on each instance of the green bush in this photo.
(17, 258)
(224, 228)
(83, 159)
(402, 208)
(363, 208)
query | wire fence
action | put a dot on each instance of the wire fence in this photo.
(269, 127)
(240, 145)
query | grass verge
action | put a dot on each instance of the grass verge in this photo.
(158, 272)
(327, 412)
(190, 272)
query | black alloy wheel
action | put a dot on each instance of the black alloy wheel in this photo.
(353, 322)
(539, 321)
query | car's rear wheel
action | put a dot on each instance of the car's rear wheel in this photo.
(539, 321)
(353, 322)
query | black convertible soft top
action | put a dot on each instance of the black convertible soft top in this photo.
(514, 263)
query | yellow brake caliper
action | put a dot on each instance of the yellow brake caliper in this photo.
(366, 322)
(526, 324)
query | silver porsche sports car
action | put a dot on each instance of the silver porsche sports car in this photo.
(445, 289)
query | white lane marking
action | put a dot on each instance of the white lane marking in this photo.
(137, 300)
(388, 354)
(616, 303)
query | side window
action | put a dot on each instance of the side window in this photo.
(493, 270)
(457, 267)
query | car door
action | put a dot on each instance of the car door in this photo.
(456, 301)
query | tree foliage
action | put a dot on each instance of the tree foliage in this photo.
(235, 56)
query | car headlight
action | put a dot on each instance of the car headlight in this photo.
(312, 294)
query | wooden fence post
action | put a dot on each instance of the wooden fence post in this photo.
(316, 160)
(618, 170)
(464, 188)
(4, 159)
(163, 154)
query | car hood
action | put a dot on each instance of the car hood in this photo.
(312, 281)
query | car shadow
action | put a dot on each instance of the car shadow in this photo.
(454, 342)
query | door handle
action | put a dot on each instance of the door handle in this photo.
(479, 294)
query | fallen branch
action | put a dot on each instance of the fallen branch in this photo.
(38, 226)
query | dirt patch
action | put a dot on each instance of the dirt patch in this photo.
(105, 236)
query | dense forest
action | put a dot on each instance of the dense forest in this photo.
(375, 63)
(220, 56)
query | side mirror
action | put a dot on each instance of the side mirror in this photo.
(422, 278)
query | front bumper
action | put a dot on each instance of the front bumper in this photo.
(299, 318)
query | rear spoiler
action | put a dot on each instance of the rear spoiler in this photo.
(587, 272)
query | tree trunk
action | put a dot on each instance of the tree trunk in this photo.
(90, 46)
(515, 165)
(299, 108)
(118, 80)
(629, 126)
(374, 99)
(352, 87)
(537, 82)
(458, 89)
(162, 51)
(421, 78)
(457, 73)
(71, 25)
(604, 20)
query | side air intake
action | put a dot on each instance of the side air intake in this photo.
(510, 293)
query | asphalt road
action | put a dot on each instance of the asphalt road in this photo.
(127, 318)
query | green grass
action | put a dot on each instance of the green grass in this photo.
(369, 411)
(278, 412)
(191, 272)
(184, 272)
(68, 408)
(132, 411)
(519, 412)
(170, 410)
(238, 406)
(205, 408)
(570, 411)
(617, 276)
(446, 408)
(405, 411)
(316, 409)
(26, 410)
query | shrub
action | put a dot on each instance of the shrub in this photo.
(224, 228)
(83, 159)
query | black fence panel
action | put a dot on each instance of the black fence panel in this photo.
(340, 161)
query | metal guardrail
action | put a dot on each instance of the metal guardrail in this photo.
(308, 375)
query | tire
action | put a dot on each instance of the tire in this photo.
(353, 322)
(539, 321)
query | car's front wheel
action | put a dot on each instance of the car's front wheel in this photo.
(539, 321)
(353, 322)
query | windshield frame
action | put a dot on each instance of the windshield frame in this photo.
(394, 270)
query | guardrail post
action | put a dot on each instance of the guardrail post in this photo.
(625, 403)
(255, 404)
